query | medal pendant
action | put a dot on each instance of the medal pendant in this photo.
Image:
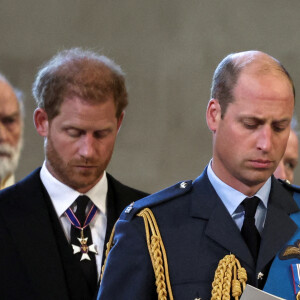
(84, 248)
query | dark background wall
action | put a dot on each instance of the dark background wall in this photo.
(169, 50)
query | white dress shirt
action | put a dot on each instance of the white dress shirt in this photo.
(232, 200)
(63, 197)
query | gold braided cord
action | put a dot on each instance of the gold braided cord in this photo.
(158, 255)
(108, 247)
(229, 275)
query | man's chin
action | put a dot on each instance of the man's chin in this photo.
(257, 179)
(83, 182)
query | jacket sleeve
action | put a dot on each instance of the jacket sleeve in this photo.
(129, 273)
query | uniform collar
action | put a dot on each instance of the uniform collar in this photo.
(231, 197)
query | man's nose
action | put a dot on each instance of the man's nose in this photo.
(87, 146)
(264, 142)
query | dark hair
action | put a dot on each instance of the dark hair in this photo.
(81, 73)
(227, 74)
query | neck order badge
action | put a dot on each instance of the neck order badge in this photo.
(83, 248)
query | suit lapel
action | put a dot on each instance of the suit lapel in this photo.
(279, 227)
(111, 214)
(29, 224)
(221, 228)
(118, 197)
(206, 204)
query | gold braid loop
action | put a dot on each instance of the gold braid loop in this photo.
(108, 247)
(229, 275)
(242, 274)
(158, 268)
(158, 255)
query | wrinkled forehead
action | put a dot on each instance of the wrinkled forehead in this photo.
(8, 98)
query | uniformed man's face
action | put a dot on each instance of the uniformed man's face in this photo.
(251, 138)
(10, 130)
(79, 141)
(289, 161)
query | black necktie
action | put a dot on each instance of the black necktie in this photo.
(88, 267)
(249, 230)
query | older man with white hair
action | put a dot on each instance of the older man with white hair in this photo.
(11, 131)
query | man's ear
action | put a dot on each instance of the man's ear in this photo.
(120, 120)
(41, 122)
(213, 114)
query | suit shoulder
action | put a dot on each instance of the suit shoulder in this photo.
(24, 187)
(175, 191)
(290, 187)
(124, 189)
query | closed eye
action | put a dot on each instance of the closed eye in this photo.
(73, 132)
(102, 133)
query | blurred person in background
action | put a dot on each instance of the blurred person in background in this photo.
(11, 131)
(286, 168)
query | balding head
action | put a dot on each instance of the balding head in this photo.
(230, 68)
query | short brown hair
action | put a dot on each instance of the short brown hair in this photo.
(81, 73)
(227, 73)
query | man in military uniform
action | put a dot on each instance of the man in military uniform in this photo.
(234, 207)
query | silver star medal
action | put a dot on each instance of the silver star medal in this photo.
(84, 248)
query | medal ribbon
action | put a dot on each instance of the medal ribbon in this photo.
(74, 221)
(296, 277)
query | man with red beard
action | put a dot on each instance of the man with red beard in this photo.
(11, 131)
(55, 222)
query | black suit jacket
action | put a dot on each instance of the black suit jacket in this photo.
(36, 261)
(197, 232)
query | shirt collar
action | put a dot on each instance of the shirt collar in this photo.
(62, 196)
(231, 197)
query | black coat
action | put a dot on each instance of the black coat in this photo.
(36, 261)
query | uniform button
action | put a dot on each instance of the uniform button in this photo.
(183, 185)
(129, 208)
(260, 276)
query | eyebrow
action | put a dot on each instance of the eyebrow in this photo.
(262, 120)
(13, 115)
